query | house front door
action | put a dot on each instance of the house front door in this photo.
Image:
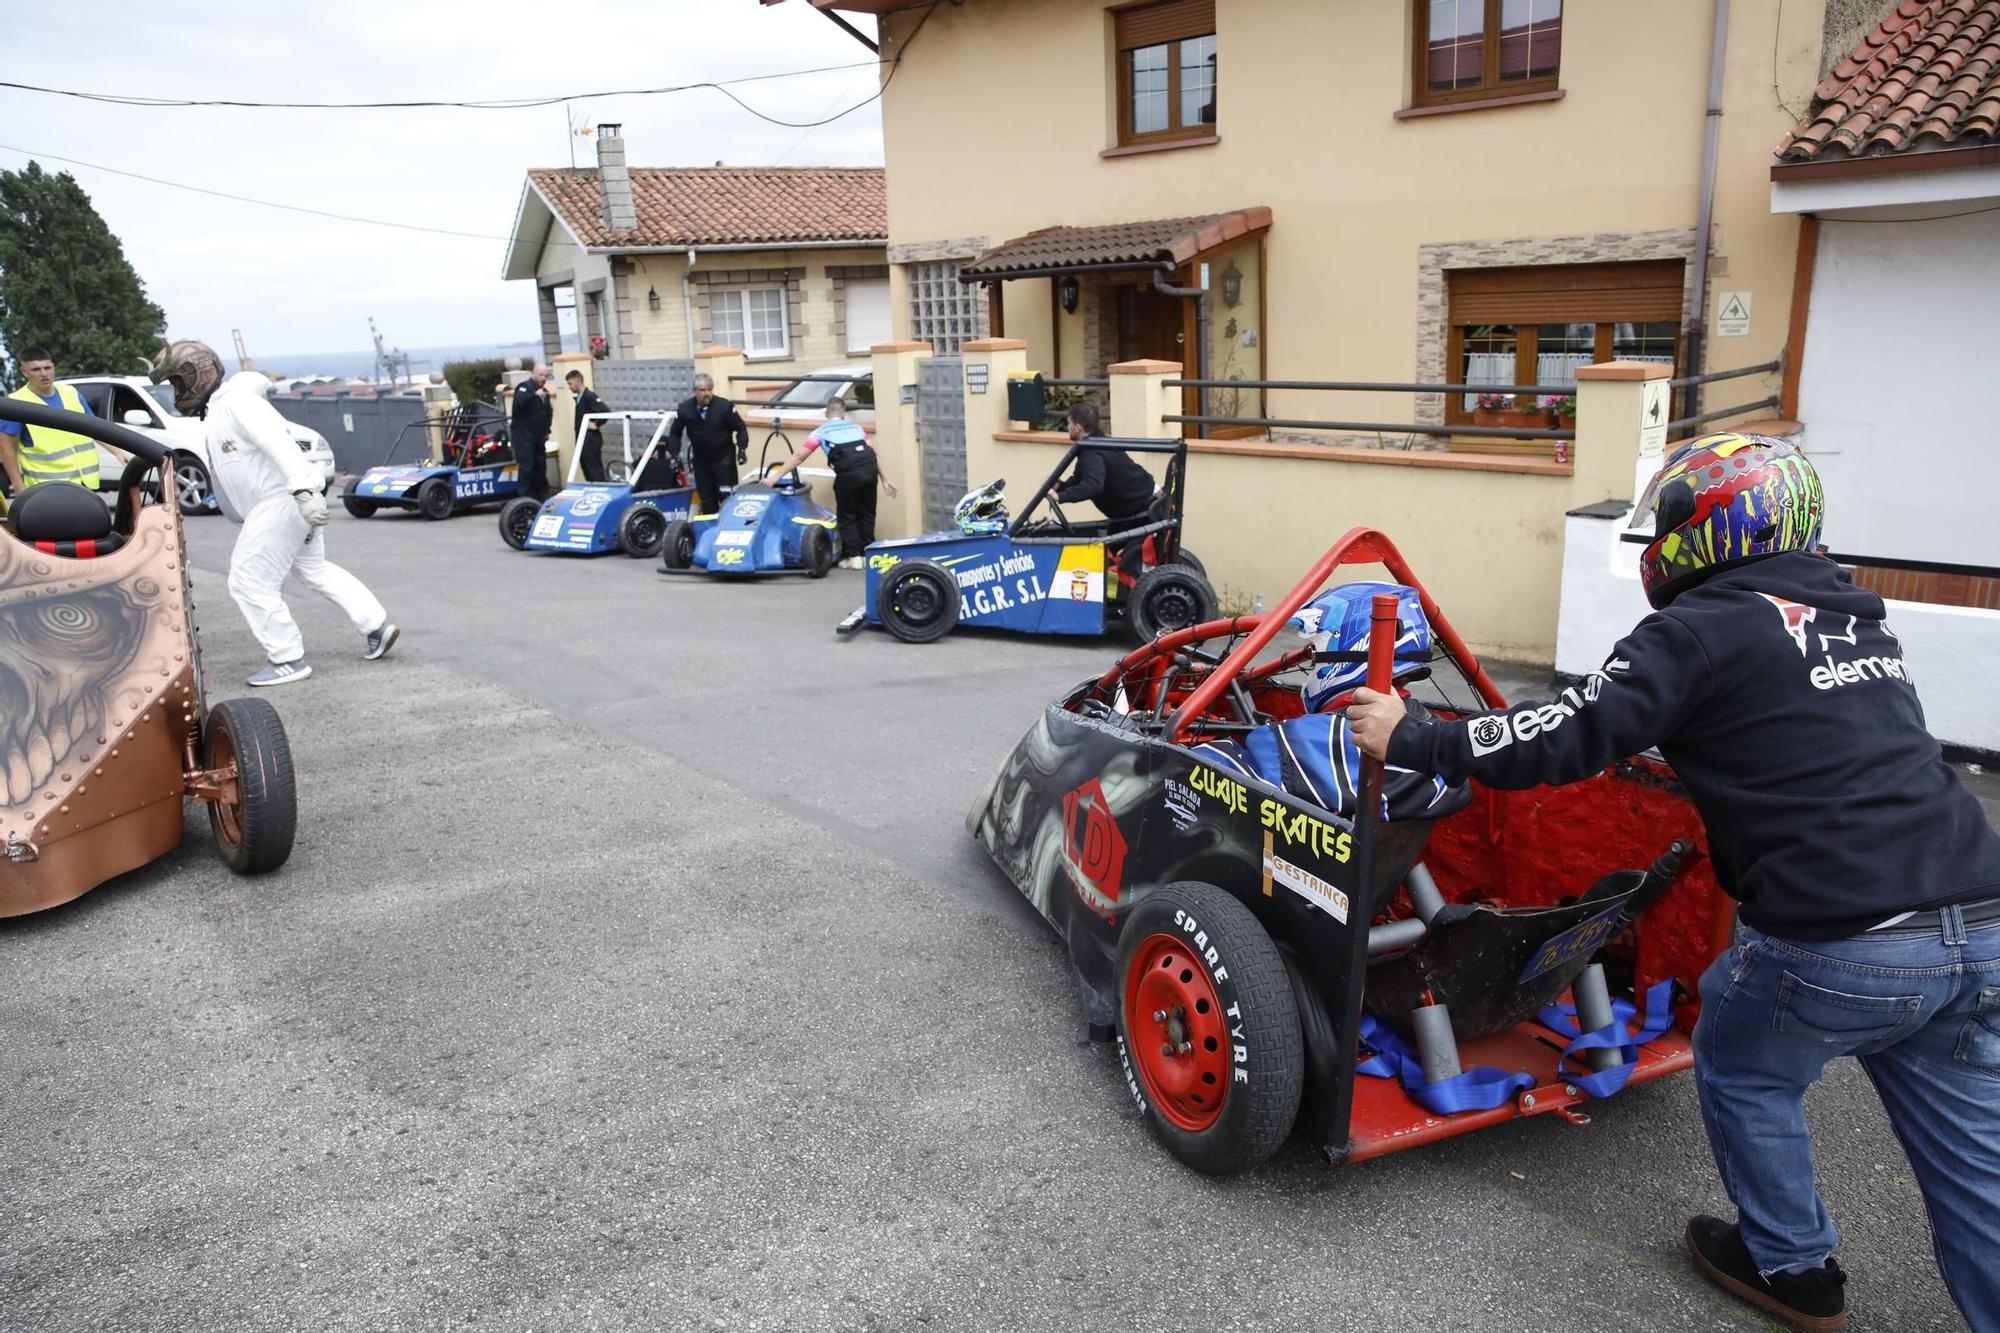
(1151, 326)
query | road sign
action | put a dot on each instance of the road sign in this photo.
(1732, 315)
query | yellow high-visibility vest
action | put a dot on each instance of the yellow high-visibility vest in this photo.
(56, 455)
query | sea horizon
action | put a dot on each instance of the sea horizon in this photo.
(360, 364)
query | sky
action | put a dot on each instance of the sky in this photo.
(296, 284)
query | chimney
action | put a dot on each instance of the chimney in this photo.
(619, 212)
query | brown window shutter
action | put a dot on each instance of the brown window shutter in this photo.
(1569, 294)
(1149, 25)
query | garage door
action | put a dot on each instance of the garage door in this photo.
(867, 313)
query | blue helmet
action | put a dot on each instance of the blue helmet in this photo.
(1336, 622)
(983, 510)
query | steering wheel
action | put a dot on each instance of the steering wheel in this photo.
(131, 483)
(1062, 519)
(1161, 663)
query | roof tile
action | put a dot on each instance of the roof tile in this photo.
(1158, 241)
(1927, 77)
(680, 206)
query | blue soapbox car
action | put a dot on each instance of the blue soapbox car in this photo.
(629, 514)
(477, 468)
(770, 526)
(1043, 575)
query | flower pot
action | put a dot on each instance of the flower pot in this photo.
(1533, 418)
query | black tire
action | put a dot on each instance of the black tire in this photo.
(917, 601)
(1183, 556)
(192, 485)
(254, 833)
(677, 544)
(816, 552)
(642, 532)
(1167, 598)
(434, 499)
(354, 504)
(517, 520)
(1195, 943)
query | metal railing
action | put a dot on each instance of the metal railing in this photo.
(1376, 427)
(1688, 382)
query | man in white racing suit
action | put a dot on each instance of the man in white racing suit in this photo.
(264, 483)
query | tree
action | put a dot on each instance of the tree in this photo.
(65, 283)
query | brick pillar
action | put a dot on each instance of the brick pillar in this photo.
(896, 437)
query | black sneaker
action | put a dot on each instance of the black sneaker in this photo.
(1812, 1300)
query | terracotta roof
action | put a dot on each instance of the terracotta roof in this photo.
(1926, 78)
(1161, 241)
(680, 206)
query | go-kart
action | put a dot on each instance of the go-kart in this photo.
(1046, 574)
(771, 526)
(477, 467)
(107, 728)
(1266, 961)
(629, 514)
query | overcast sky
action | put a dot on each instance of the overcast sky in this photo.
(294, 283)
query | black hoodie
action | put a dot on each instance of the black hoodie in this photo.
(1782, 701)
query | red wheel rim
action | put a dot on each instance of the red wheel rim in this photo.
(1175, 1031)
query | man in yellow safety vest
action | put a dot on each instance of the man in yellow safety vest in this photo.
(31, 454)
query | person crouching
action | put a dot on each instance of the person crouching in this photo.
(857, 470)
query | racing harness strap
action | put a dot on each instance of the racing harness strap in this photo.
(1615, 1035)
(82, 550)
(1479, 1089)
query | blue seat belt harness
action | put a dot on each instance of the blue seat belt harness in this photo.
(1615, 1035)
(1474, 1090)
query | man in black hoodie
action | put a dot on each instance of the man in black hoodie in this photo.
(713, 430)
(1867, 877)
(589, 443)
(1108, 478)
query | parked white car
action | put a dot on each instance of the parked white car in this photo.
(803, 400)
(148, 408)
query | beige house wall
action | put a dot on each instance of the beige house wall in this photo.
(1308, 92)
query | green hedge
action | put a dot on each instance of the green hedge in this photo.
(473, 381)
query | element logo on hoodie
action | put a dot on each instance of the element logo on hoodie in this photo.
(1831, 673)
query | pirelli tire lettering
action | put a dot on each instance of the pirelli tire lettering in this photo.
(1208, 1028)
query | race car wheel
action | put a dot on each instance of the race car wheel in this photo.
(1208, 1029)
(254, 829)
(677, 544)
(517, 520)
(1186, 557)
(354, 504)
(1167, 598)
(917, 601)
(192, 488)
(434, 498)
(816, 552)
(642, 531)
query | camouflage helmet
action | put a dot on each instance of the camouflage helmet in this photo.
(195, 370)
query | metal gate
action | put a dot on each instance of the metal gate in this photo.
(657, 384)
(941, 436)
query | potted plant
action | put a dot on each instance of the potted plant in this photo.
(1499, 409)
(599, 348)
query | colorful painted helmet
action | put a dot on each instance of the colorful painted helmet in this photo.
(195, 370)
(1721, 500)
(983, 510)
(1336, 624)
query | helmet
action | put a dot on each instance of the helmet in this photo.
(1721, 500)
(983, 510)
(195, 370)
(1336, 624)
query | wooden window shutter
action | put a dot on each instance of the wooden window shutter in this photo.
(1569, 294)
(1149, 25)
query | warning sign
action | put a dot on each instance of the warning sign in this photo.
(1653, 414)
(1732, 315)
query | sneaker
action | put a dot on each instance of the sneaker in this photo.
(281, 673)
(1813, 1300)
(852, 562)
(381, 640)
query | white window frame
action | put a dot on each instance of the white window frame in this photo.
(739, 298)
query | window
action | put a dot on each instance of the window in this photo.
(1166, 71)
(124, 398)
(867, 313)
(1537, 325)
(944, 312)
(565, 305)
(752, 318)
(1473, 50)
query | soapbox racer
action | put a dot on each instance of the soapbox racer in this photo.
(477, 468)
(107, 728)
(770, 526)
(1046, 574)
(1268, 960)
(629, 514)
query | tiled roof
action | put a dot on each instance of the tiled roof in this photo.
(1926, 78)
(1161, 241)
(725, 205)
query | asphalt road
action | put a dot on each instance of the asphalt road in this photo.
(634, 971)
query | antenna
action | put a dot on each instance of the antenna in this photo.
(243, 361)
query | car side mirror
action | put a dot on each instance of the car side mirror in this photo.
(137, 417)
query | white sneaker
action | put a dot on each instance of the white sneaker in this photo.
(280, 673)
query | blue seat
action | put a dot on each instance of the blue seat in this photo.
(1315, 759)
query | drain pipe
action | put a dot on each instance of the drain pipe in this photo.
(1199, 295)
(687, 302)
(1697, 333)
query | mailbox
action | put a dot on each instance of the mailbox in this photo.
(1027, 397)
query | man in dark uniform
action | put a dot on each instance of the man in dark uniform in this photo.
(710, 424)
(533, 415)
(589, 443)
(1108, 478)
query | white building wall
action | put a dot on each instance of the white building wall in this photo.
(1898, 387)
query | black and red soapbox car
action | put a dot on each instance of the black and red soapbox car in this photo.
(1270, 963)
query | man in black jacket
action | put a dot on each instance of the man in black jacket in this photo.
(529, 433)
(1867, 877)
(711, 426)
(589, 443)
(1108, 478)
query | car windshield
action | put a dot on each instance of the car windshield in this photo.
(805, 393)
(163, 394)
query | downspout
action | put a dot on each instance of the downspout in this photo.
(687, 302)
(1199, 295)
(1697, 333)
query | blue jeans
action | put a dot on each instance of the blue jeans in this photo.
(1921, 1011)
